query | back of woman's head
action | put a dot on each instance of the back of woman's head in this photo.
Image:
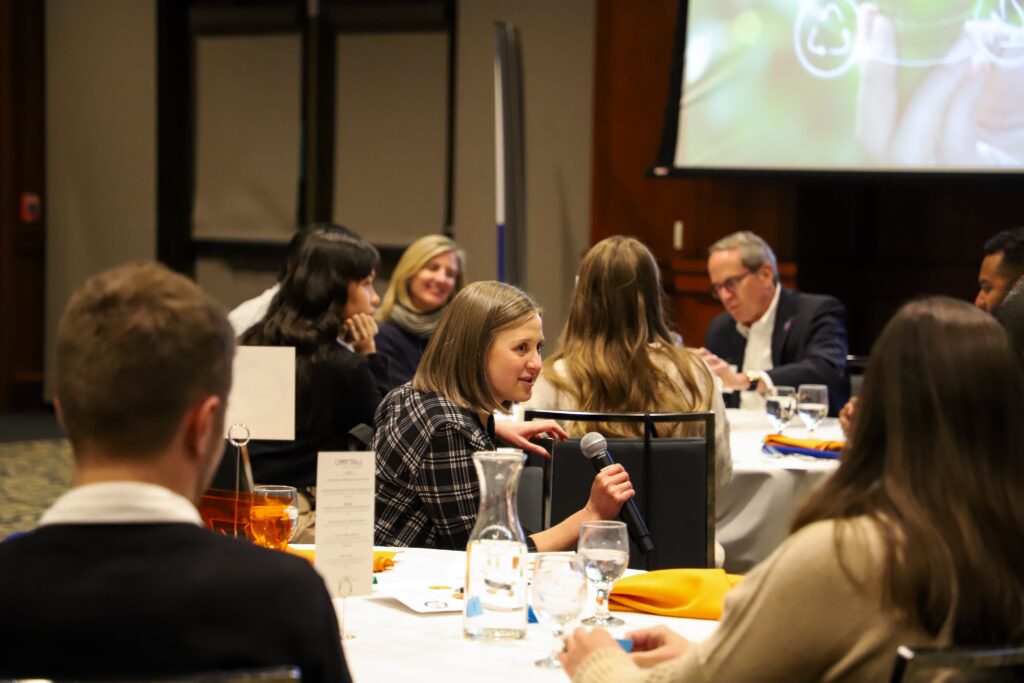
(616, 314)
(935, 460)
(618, 294)
(307, 311)
(455, 361)
(413, 259)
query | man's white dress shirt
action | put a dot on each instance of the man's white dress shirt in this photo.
(758, 354)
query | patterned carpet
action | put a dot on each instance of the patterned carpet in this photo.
(32, 475)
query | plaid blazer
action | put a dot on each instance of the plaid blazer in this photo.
(427, 493)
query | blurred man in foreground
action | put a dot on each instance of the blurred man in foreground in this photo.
(120, 579)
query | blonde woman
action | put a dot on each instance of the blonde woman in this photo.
(616, 353)
(484, 355)
(427, 276)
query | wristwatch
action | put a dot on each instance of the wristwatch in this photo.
(753, 376)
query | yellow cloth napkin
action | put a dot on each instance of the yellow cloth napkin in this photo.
(691, 593)
(382, 559)
(810, 444)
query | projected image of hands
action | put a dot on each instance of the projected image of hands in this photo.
(841, 84)
(966, 110)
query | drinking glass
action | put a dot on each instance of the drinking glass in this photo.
(558, 592)
(604, 551)
(812, 404)
(781, 406)
(273, 515)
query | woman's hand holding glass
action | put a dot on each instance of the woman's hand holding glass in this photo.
(604, 551)
(558, 592)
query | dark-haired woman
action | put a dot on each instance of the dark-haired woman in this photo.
(916, 539)
(324, 308)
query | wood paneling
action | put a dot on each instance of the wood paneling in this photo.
(872, 242)
(633, 62)
(22, 244)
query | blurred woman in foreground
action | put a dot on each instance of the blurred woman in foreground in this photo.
(914, 540)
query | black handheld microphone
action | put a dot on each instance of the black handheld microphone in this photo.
(595, 448)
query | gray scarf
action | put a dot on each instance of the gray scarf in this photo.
(420, 324)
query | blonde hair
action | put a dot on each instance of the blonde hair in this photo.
(455, 362)
(615, 331)
(413, 259)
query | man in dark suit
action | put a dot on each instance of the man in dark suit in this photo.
(121, 579)
(770, 335)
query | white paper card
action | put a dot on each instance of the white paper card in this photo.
(427, 599)
(263, 392)
(344, 521)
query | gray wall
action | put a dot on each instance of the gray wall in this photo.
(100, 143)
(558, 66)
(101, 154)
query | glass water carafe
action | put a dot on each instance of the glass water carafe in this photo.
(495, 589)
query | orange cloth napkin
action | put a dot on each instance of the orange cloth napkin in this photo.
(810, 444)
(382, 559)
(691, 593)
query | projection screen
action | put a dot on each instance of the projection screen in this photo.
(841, 85)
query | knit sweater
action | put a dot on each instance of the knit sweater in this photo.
(797, 617)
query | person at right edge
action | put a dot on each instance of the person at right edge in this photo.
(914, 540)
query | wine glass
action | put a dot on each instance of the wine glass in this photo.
(604, 550)
(812, 404)
(273, 515)
(781, 406)
(558, 592)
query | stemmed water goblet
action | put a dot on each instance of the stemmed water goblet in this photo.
(558, 592)
(604, 551)
(812, 404)
(780, 404)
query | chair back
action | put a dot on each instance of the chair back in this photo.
(673, 479)
(958, 665)
(530, 497)
(276, 674)
(855, 367)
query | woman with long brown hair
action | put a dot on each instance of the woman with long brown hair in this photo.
(484, 356)
(916, 539)
(616, 353)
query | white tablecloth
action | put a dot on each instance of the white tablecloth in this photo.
(393, 643)
(756, 507)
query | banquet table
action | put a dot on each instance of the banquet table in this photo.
(755, 509)
(391, 642)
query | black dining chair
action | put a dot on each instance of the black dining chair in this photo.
(958, 665)
(275, 674)
(674, 480)
(855, 367)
